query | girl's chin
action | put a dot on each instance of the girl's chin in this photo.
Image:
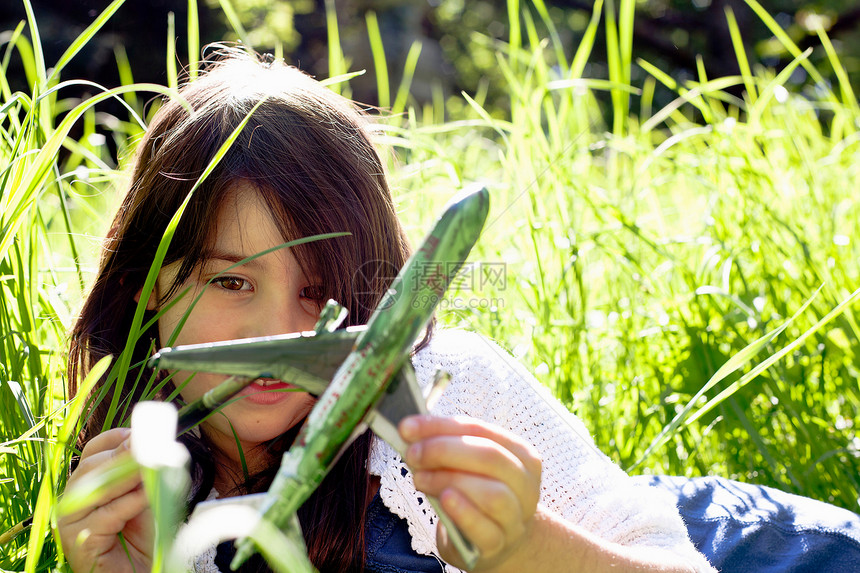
(262, 414)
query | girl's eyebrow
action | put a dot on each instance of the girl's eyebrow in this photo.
(232, 258)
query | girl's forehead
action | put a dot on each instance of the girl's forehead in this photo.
(244, 213)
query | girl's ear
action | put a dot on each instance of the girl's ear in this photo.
(151, 303)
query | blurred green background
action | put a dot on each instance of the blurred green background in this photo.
(458, 37)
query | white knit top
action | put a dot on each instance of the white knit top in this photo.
(578, 481)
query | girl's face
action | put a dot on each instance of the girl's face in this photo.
(269, 295)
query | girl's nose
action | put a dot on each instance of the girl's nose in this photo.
(280, 317)
(275, 322)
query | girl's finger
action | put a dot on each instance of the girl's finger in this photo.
(491, 497)
(415, 428)
(479, 456)
(100, 450)
(99, 460)
(95, 532)
(108, 496)
(483, 532)
(113, 515)
(104, 495)
(107, 440)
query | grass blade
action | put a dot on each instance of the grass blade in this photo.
(583, 50)
(383, 88)
(789, 45)
(848, 97)
(734, 363)
(38, 59)
(765, 364)
(235, 21)
(83, 38)
(172, 75)
(336, 63)
(193, 40)
(406, 80)
(741, 54)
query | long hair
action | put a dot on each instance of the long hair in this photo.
(309, 153)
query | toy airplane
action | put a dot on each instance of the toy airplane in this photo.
(362, 374)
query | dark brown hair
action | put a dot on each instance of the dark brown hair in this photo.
(309, 153)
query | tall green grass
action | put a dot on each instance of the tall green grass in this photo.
(644, 252)
(681, 277)
(52, 195)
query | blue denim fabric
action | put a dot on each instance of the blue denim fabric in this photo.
(739, 527)
(389, 545)
(744, 527)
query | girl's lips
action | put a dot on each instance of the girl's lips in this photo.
(266, 391)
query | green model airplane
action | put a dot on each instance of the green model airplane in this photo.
(362, 375)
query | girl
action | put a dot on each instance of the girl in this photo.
(515, 471)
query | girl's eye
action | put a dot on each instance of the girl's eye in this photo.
(314, 292)
(232, 283)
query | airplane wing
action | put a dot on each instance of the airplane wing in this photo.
(305, 359)
(309, 360)
(404, 398)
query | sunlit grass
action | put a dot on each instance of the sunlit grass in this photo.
(643, 256)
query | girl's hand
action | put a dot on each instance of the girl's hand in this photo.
(486, 478)
(90, 536)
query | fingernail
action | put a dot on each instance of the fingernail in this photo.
(413, 454)
(409, 428)
(450, 500)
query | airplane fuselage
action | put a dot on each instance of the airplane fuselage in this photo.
(379, 352)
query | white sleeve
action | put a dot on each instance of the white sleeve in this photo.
(578, 482)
